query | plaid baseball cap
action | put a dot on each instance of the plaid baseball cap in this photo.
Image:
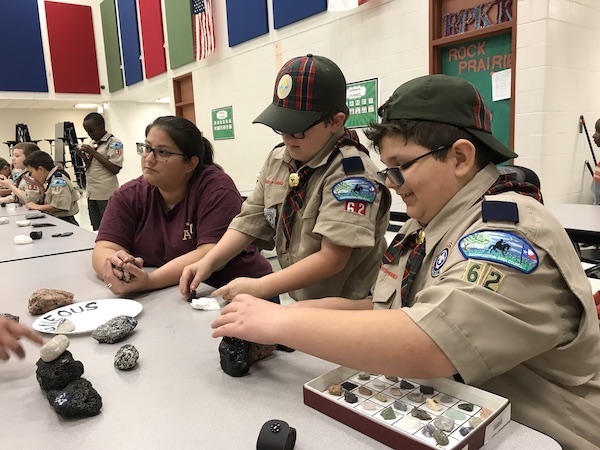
(305, 87)
(446, 99)
(3, 163)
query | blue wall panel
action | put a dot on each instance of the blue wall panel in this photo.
(290, 11)
(130, 41)
(21, 51)
(246, 19)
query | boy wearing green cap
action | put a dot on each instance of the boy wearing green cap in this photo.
(318, 199)
(452, 297)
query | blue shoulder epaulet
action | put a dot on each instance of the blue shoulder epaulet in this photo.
(499, 211)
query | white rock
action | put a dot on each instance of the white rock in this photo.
(22, 239)
(54, 348)
(4, 220)
(23, 223)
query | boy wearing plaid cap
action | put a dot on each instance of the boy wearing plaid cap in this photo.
(317, 200)
(452, 297)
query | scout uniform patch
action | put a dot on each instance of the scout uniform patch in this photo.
(439, 262)
(356, 192)
(117, 147)
(57, 184)
(500, 247)
(285, 86)
(484, 274)
(271, 216)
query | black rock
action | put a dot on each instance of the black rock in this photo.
(349, 386)
(406, 385)
(466, 406)
(235, 356)
(78, 399)
(350, 397)
(426, 389)
(58, 373)
(465, 430)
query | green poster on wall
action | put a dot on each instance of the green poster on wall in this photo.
(476, 61)
(362, 98)
(222, 123)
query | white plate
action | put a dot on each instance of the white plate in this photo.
(87, 316)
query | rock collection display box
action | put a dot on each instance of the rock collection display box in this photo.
(371, 414)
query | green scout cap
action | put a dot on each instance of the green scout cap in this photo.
(446, 99)
(305, 87)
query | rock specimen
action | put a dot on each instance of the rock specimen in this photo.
(369, 406)
(388, 414)
(474, 421)
(432, 404)
(364, 376)
(406, 385)
(79, 398)
(365, 391)
(394, 390)
(234, 356)
(44, 300)
(465, 430)
(58, 373)
(446, 399)
(428, 430)
(440, 437)
(54, 348)
(126, 357)
(65, 326)
(416, 397)
(335, 389)
(115, 329)
(466, 406)
(10, 317)
(486, 412)
(454, 414)
(350, 397)
(378, 384)
(381, 397)
(420, 414)
(400, 405)
(427, 390)
(392, 378)
(349, 386)
(444, 423)
(260, 351)
(411, 423)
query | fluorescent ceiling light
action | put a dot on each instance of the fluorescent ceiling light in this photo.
(86, 106)
(163, 100)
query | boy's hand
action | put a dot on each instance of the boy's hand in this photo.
(6, 183)
(10, 332)
(192, 276)
(252, 319)
(252, 286)
(32, 206)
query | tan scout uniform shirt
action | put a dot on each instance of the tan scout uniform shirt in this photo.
(31, 190)
(61, 194)
(101, 183)
(322, 216)
(532, 338)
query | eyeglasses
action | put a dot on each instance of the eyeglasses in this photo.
(300, 134)
(159, 153)
(395, 173)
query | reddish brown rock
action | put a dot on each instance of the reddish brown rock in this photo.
(44, 300)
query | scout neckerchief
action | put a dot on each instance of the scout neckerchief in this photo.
(298, 180)
(416, 240)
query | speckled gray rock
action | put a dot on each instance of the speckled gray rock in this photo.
(115, 329)
(444, 423)
(420, 414)
(400, 405)
(58, 373)
(440, 437)
(428, 430)
(415, 397)
(54, 348)
(77, 399)
(126, 357)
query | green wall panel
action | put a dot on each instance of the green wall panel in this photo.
(179, 32)
(112, 48)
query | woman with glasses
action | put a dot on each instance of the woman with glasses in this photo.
(170, 216)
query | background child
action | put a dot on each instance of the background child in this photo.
(317, 200)
(23, 188)
(60, 198)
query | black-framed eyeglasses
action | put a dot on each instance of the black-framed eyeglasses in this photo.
(159, 153)
(300, 134)
(394, 174)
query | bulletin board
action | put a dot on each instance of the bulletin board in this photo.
(475, 61)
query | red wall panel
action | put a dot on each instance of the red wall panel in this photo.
(72, 48)
(153, 37)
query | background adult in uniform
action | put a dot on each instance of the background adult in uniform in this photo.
(23, 188)
(60, 197)
(103, 160)
(317, 199)
(500, 298)
(172, 215)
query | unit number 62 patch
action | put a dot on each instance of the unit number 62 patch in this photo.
(484, 275)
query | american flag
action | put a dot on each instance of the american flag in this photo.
(204, 31)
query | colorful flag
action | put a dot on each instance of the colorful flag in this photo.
(344, 5)
(204, 32)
